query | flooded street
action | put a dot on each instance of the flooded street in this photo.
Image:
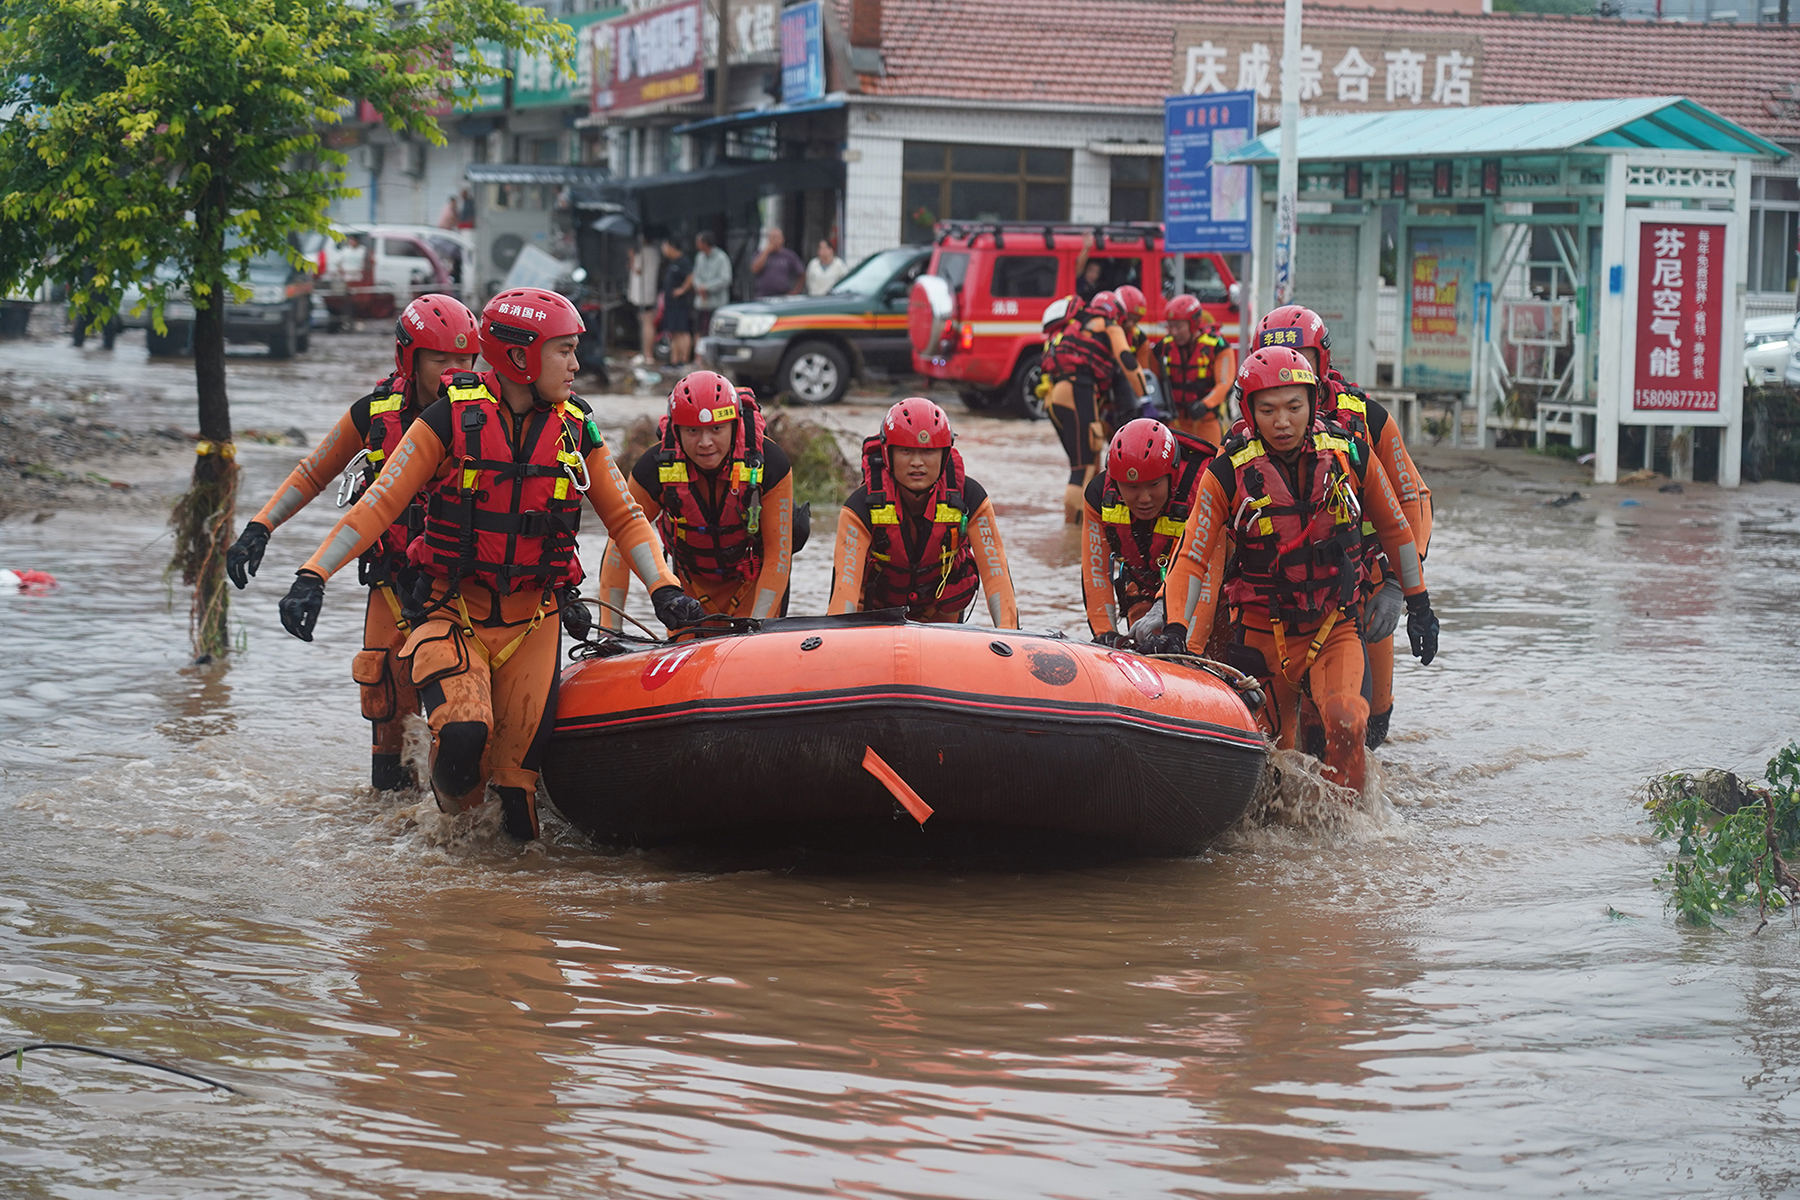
(1476, 989)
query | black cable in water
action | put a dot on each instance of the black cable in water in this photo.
(20, 1052)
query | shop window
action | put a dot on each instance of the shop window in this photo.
(1026, 276)
(945, 181)
(1774, 234)
(1137, 183)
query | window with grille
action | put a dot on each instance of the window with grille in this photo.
(1137, 184)
(1774, 234)
(945, 181)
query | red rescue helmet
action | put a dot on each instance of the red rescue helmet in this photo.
(1185, 308)
(1293, 326)
(703, 398)
(917, 423)
(525, 318)
(1106, 304)
(1133, 302)
(1060, 310)
(433, 322)
(1273, 367)
(1142, 452)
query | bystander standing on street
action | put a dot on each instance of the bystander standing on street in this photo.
(824, 271)
(677, 301)
(778, 270)
(712, 281)
(641, 289)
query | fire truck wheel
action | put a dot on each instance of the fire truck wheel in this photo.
(1021, 394)
(815, 373)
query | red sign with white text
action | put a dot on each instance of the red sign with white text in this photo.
(652, 57)
(1681, 281)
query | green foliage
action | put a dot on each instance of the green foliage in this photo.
(1733, 839)
(135, 133)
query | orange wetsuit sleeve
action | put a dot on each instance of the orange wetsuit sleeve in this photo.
(849, 558)
(308, 479)
(1191, 590)
(990, 559)
(626, 526)
(1403, 476)
(1126, 357)
(412, 466)
(1224, 375)
(615, 573)
(777, 548)
(1381, 508)
(1146, 356)
(1096, 574)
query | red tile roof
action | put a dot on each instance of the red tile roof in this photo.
(1119, 54)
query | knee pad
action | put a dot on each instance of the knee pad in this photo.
(456, 768)
(1378, 728)
(387, 773)
(518, 813)
(1077, 476)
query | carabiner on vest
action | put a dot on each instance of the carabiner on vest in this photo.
(353, 473)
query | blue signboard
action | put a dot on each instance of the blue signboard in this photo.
(802, 53)
(1206, 208)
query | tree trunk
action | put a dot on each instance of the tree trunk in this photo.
(203, 517)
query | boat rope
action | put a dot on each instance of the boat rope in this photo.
(1246, 685)
(18, 1054)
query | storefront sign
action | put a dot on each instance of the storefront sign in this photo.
(1680, 291)
(1206, 207)
(1341, 70)
(802, 53)
(490, 94)
(1440, 309)
(537, 83)
(653, 57)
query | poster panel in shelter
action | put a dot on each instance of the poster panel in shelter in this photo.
(654, 57)
(1325, 281)
(1206, 207)
(1680, 290)
(1440, 308)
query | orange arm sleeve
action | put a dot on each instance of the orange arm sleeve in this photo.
(1191, 591)
(777, 548)
(625, 524)
(615, 574)
(1146, 356)
(1403, 476)
(990, 559)
(1224, 375)
(309, 478)
(1381, 508)
(849, 558)
(412, 466)
(1125, 357)
(1096, 574)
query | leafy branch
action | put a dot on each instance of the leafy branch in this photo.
(1734, 839)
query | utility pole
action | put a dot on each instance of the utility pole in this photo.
(1287, 184)
(722, 72)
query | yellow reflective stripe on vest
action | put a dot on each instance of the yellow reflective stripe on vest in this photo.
(1249, 453)
(470, 477)
(748, 474)
(674, 472)
(376, 456)
(458, 395)
(885, 515)
(1116, 514)
(1352, 402)
(1170, 528)
(1324, 441)
(945, 515)
(390, 404)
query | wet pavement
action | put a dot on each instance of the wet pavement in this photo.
(1472, 987)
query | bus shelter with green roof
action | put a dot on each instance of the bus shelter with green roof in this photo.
(1571, 269)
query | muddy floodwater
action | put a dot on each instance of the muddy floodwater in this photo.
(1472, 987)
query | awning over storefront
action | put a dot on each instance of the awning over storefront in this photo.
(549, 174)
(760, 116)
(715, 189)
(1127, 149)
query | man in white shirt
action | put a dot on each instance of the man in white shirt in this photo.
(641, 289)
(712, 280)
(824, 271)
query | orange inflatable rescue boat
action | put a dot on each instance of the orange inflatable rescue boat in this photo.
(816, 721)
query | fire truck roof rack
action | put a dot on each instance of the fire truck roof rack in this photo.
(1144, 233)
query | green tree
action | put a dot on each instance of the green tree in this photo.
(188, 132)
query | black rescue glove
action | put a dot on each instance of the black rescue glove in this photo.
(1422, 628)
(575, 615)
(1172, 640)
(1112, 640)
(300, 607)
(245, 554)
(675, 608)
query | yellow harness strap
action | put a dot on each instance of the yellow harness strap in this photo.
(387, 593)
(1312, 652)
(497, 659)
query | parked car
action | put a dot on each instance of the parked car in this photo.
(375, 271)
(976, 317)
(1769, 344)
(278, 313)
(814, 346)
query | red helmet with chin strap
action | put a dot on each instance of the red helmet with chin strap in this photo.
(1296, 327)
(1185, 308)
(433, 322)
(703, 398)
(1106, 304)
(917, 423)
(1133, 302)
(1142, 452)
(524, 319)
(1273, 367)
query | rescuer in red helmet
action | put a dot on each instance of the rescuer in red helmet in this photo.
(505, 459)
(1346, 405)
(919, 534)
(1196, 368)
(722, 496)
(1293, 494)
(435, 335)
(1132, 521)
(1091, 367)
(1133, 308)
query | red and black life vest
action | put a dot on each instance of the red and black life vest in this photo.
(1077, 348)
(391, 414)
(937, 578)
(1141, 555)
(1189, 373)
(727, 544)
(1347, 406)
(1298, 559)
(506, 517)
